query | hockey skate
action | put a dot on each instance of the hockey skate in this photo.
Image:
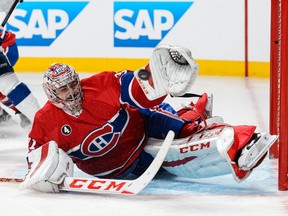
(254, 151)
(4, 116)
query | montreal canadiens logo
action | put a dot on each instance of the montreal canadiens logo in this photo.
(100, 141)
(66, 130)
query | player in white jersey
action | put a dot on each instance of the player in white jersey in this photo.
(14, 94)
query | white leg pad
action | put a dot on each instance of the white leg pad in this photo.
(50, 165)
(202, 155)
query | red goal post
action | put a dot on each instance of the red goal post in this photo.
(279, 87)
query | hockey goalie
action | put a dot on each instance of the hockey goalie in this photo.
(111, 125)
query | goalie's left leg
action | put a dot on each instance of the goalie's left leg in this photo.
(215, 151)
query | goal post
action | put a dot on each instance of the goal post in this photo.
(279, 88)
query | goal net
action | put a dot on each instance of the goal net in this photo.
(279, 88)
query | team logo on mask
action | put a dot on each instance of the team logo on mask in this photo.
(66, 130)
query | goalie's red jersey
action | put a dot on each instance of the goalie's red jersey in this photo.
(108, 135)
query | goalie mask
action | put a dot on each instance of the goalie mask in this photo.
(62, 86)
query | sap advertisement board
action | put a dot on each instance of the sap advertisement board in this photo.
(214, 30)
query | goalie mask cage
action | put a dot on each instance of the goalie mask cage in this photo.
(279, 88)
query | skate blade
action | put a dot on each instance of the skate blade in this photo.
(270, 139)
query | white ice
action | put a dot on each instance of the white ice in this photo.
(237, 100)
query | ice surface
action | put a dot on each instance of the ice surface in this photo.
(237, 100)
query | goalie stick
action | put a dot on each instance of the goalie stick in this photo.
(114, 186)
(111, 186)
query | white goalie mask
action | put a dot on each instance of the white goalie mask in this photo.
(62, 86)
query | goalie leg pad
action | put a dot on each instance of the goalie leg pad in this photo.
(209, 153)
(201, 155)
(50, 165)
